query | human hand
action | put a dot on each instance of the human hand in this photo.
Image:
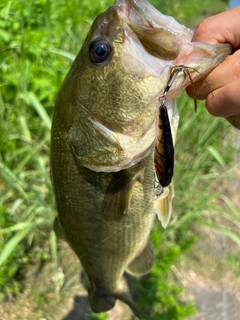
(221, 87)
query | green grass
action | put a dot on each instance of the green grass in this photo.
(38, 41)
(190, 13)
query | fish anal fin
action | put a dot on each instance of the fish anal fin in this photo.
(164, 207)
(143, 263)
(118, 197)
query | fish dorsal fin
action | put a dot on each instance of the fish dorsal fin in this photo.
(143, 263)
(118, 196)
(163, 206)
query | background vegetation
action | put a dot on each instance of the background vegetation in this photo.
(38, 42)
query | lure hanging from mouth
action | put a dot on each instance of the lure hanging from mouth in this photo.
(164, 150)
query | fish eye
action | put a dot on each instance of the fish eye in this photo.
(99, 51)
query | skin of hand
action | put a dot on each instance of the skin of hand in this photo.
(221, 87)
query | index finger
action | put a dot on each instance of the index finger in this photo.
(221, 28)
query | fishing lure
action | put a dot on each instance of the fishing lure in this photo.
(164, 150)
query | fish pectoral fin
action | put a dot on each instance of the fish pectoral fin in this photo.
(58, 229)
(164, 207)
(118, 197)
(143, 263)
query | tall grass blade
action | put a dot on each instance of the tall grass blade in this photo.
(31, 98)
(12, 180)
(12, 243)
(64, 53)
(53, 246)
(216, 154)
(230, 234)
(23, 226)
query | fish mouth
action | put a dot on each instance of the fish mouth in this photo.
(153, 43)
(160, 35)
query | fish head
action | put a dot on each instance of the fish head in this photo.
(111, 96)
(111, 73)
(112, 90)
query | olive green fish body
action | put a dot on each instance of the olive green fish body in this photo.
(105, 248)
(104, 133)
(98, 222)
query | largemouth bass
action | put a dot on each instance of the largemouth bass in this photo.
(104, 135)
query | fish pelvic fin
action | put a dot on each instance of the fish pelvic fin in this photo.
(143, 262)
(164, 206)
(100, 300)
(118, 196)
